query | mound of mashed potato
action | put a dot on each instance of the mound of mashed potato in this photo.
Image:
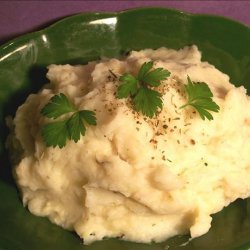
(168, 173)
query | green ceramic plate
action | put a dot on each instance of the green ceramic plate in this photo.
(86, 37)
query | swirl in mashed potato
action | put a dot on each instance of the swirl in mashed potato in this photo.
(168, 173)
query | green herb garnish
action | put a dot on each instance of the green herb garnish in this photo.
(56, 133)
(200, 97)
(144, 98)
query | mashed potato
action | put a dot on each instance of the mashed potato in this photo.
(168, 173)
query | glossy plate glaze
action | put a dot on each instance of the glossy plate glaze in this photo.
(85, 37)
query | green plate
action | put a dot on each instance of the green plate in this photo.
(85, 37)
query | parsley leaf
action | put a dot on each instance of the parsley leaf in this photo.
(144, 69)
(75, 127)
(200, 97)
(57, 106)
(88, 116)
(154, 77)
(144, 99)
(56, 133)
(147, 101)
(129, 86)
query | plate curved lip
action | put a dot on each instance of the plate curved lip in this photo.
(22, 38)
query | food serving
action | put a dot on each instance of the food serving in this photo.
(158, 138)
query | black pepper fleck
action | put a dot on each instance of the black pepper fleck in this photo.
(192, 141)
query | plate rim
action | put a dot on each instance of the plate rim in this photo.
(25, 36)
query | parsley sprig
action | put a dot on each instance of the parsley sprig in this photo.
(56, 133)
(200, 97)
(139, 88)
